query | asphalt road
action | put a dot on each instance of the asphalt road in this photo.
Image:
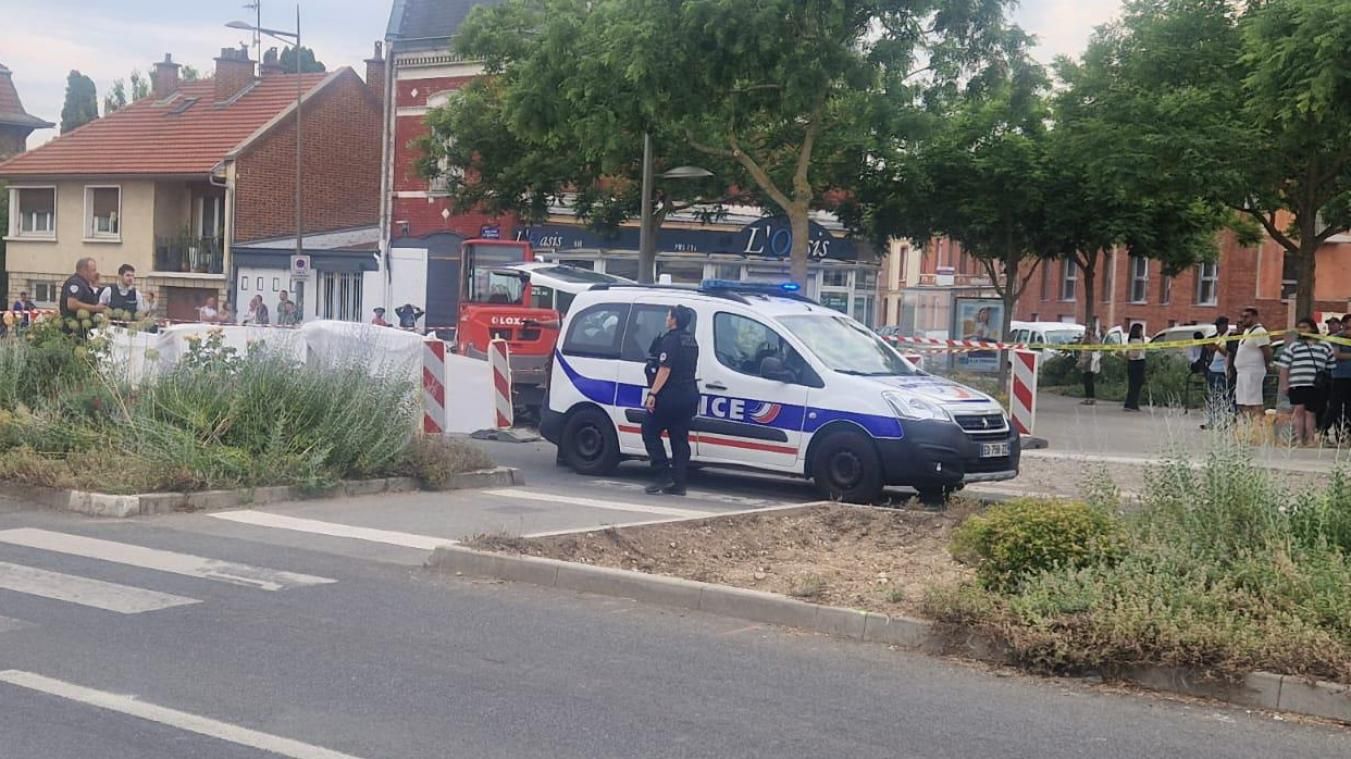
(308, 644)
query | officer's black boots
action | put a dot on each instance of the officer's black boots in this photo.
(662, 484)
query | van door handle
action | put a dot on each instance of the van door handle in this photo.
(714, 386)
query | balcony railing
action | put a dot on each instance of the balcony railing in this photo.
(199, 255)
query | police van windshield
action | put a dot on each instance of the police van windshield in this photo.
(846, 346)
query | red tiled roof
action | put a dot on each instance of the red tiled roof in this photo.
(11, 107)
(147, 137)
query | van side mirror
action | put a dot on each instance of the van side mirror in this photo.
(772, 368)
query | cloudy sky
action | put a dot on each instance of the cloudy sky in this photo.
(42, 40)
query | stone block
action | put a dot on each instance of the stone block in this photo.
(755, 606)
(623, 583)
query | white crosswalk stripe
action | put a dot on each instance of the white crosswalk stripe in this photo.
(98, 594)
(334, 529)
(521, 494)
(158, 560)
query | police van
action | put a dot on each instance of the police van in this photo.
(787, 385)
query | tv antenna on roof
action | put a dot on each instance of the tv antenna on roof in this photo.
(257, 7)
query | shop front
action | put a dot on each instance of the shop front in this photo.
(841, 274)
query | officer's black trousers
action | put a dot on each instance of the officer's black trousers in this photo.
(674, 411)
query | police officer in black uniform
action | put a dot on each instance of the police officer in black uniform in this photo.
(672, 401)
(79, 294)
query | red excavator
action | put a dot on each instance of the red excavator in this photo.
(495, 302)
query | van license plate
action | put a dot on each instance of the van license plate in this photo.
(993, 450)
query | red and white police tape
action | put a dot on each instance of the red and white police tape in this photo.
(1023, 393)
(499, 355)
(433, 387)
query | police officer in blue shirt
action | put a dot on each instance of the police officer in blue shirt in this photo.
(672, 401)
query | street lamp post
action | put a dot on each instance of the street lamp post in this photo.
(647, 235)
(284, 36)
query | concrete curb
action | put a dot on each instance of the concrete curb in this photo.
(1262, 690)
(147, 504)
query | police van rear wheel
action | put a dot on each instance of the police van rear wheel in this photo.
(846, 468)
(590, 445)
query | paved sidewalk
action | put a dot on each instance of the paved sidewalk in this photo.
(1108, 435)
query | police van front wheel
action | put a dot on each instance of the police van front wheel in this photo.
(590, 445)
(846, 468)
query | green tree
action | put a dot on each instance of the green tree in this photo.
(82, 102)
(189, 73)
(980, 174)
(785, 96)
(308, 63)
(1256, 116)
(120, 94)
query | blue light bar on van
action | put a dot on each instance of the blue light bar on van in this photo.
(766, 288)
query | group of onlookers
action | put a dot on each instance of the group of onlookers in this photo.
(1314, 374)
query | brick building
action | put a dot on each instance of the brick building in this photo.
(1134, 290)
(918, 285)
(15, 123)
(174, 182)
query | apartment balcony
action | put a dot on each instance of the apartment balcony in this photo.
(189, 255)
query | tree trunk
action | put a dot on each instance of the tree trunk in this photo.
(1305, 262)
(1090, 267)
(647, 226)
(800, 220)
(1009, 294)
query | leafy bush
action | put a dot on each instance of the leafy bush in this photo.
(1021, 538)
(432, 460)
(218, 419)
(1221, 568)
(1169, 380)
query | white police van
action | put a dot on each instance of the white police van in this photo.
(787, 386)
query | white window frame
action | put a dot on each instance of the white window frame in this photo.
(1142, 280)
(1211, 280)
(339, 295)
(1069, 280)
(91, 232)
(52, 289)
(218, 204)
(15, 217)
(1166, 290)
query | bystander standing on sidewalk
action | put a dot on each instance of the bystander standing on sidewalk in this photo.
(1306, 365)
(207, 312)
(25, 308)
(408, 315)
(379, 318)
(1337, 419)
(1090, 364)
(1250, 363)
(257, 313)
(1219, 398)
(288, 315)
(1135, 367)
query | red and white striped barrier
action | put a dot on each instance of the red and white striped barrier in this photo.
(433, 387)
(1023, 394)
(499, 355)
(933, 343)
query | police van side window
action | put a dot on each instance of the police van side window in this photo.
(595, 332)
(742, 345)
(646, 324)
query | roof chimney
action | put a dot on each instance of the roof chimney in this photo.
(164, 80)
(375, 72)
(234, 72)
(271, 65)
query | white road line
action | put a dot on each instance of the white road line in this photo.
(261, 578)
(334, 529)
(192, 723)
(592, 503)
(744, 502)
(10, 624)
(84, 591)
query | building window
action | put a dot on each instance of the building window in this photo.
(340, 295)
(1069, 279)
(730, 272)
(1207, 283)
(1166, 289)
(864, 309)
(42, 292)
(103, 213)
(835, 278)
(1289, 277)
(1139, 279)
(33, 212)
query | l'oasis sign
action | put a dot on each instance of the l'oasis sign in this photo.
(773, 237)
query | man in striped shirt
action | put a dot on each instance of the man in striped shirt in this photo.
(1301, 364)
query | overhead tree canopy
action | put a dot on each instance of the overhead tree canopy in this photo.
(979, 174)
(308, 63)
(1248, 106)
(781, 98)
(82, 102)
(120, 94)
